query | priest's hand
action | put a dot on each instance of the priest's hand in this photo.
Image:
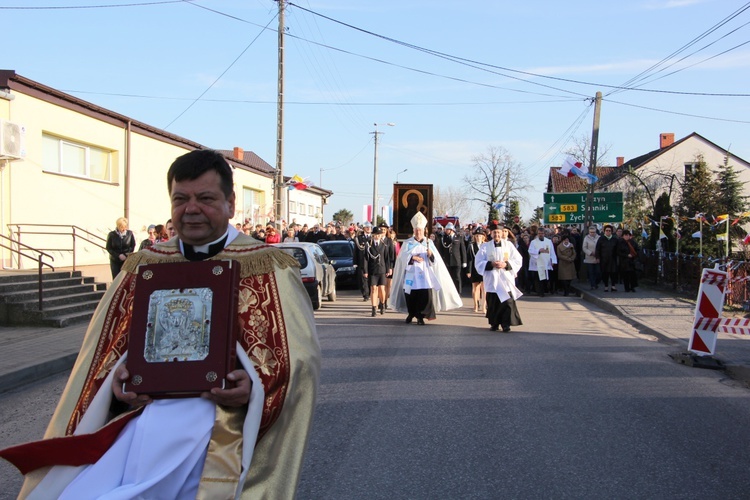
(239, 395)
(131, 398)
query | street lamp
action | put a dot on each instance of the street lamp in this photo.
(375, 174)
(404, 170)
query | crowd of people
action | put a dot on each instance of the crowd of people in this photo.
(551, 257)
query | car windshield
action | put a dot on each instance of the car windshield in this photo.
(298, 254)
(338, 251)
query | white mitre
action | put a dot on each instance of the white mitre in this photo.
(419, 221)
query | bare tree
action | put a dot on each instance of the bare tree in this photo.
(451, 201)
(581, 151)
(495, 177)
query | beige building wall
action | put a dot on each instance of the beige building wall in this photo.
(32, 194)
(39, 196)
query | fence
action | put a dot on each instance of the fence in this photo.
(683, 274)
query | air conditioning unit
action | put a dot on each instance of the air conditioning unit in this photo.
(12, 145)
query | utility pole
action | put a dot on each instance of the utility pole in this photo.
(279, 191)
(375, 175)
(374, 220)
(592, 159)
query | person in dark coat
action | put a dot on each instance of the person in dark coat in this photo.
(378, 266)
(120, 244)
(627, 255)
(455, 252)
(606, 252)
(361, 240)
(566, 259)
(523, 280)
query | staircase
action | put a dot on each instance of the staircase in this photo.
(67, 298)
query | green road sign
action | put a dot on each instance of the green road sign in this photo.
(580, 198)
(575, 213)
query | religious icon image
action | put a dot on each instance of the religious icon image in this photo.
(178, 327)
(408, 199)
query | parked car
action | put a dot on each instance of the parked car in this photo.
(317, 272)
(341, 255)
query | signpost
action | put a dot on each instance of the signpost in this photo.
(580, 198)
(570, 208)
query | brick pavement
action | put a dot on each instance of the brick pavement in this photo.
(28, 353)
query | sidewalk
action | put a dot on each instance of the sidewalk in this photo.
(28, 354)
(670, 318)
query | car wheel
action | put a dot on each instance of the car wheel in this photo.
(318, 299)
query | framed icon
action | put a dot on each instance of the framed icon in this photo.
(184, 329)
(408, 199)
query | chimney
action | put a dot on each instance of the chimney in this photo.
(666, 140)
(239, 154)
(620, 161)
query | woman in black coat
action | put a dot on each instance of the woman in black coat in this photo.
(120, 244)
(627, 255)
(606, 252)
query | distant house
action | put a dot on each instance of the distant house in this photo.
(303, 206)
(658, 169)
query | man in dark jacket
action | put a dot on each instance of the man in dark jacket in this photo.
(361, 241)
(455, 259)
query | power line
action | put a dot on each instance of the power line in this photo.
(643, 74)
(695, 52)
(316, 103)
(71, 7)
(221, 75)
(462, 60)
(678, 113)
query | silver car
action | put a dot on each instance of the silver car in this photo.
(316, 271)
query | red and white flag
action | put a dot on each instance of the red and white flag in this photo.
(568, 164)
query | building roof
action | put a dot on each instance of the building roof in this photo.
(259, 163)
(562, 184)
(9, 80)
(642, 160)
(251, 159)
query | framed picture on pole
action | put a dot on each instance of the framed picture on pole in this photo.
(408, 199)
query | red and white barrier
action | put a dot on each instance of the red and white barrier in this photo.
(708, 321)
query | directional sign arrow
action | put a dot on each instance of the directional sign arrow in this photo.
(612, 216)
(552, 207)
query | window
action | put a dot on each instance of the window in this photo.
(81, 160)
(689, 169)
(252, 201)
(292, 207)
(310, 210)
(302, 209)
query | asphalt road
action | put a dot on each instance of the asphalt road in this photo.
(574, 404)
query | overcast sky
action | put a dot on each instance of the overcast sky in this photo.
(455, 77)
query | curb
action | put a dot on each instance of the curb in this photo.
(34, 373)
(645, 328)
(737, 372)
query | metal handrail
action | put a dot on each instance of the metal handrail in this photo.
(38, 258)
(75, 232)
